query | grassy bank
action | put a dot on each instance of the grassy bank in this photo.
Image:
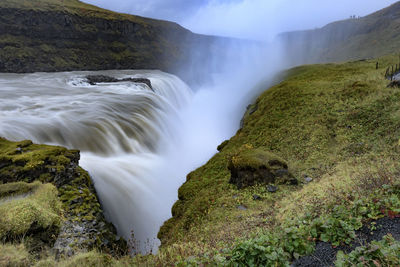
(336, 123)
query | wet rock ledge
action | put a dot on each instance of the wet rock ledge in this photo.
(49, 202)
(95, 79)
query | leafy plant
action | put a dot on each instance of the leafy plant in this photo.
(264, 250)
(384, 253)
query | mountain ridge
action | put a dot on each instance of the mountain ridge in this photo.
(352, 39)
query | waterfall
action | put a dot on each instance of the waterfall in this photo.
(138, 144)
(124, 130)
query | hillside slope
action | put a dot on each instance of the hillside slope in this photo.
(359, 38)
(337, 124)
(63, 35)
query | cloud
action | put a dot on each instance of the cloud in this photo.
(255, 19)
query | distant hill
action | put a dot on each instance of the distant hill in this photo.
(63, 35)
(352, 39)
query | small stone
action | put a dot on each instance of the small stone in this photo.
(281, 172)
(242, 207)
(308, 179)
(272, 188)
(18, 150)
(235, 196)
(256, 197)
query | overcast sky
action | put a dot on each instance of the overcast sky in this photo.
(256, 19)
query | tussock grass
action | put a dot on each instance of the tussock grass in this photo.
(40, 210)
(14, 256)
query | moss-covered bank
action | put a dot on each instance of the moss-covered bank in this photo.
(48, 202)
(336, 123)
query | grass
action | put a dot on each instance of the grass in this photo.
(14, 256)
(337, 123)
(72, 7)
(39, 210)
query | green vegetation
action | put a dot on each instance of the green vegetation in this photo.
(296, 238)
(45, 195)
(14, 256)
(71, 6)
(256, 158)
(337, 123)
(19, 188)
(383, 253)
(25, 161)
(40, 210)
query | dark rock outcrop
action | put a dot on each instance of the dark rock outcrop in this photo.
(258, 166)
(95, 79)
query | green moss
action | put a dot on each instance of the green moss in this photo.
(40, 210)
(18, 188)
(14, 256)
(256, 158)
(27, 162)
(79, 198)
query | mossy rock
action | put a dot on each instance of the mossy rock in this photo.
(24, 214)
(258, 166)
(24, 166)
(222, 145)
(18, 188)
(28, 162)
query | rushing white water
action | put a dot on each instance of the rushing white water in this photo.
(138, 144)
(124, 130)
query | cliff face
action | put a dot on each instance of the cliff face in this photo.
(371, 36)
(57, 35)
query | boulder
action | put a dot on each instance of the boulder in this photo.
(222, 145)
(259, 166)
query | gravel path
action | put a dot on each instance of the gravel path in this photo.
(325, 254)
